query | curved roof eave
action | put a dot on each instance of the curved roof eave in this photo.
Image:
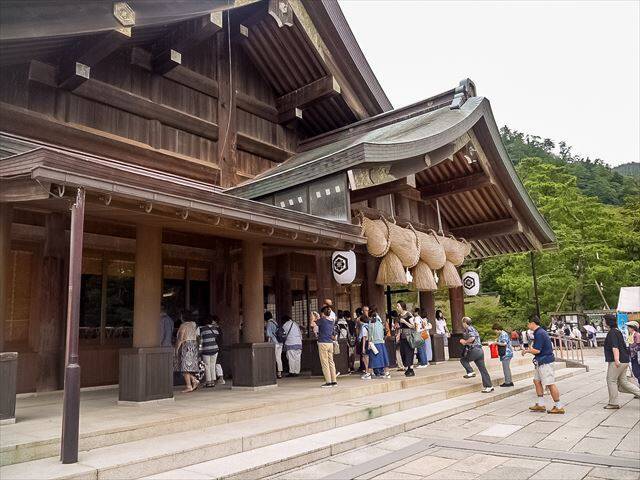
(369, 147)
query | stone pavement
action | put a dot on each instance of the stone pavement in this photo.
(503, 440)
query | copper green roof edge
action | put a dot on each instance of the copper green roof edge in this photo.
(515, 179)
(359, 152)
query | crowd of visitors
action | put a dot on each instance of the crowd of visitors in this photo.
(197, 345)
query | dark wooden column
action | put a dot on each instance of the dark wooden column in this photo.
(8, 360)
(456, 303)
(282, 285)
(146, 370)
(428, 306)
(52, 300)
(6, 215)
(225, 293)
(253, 361)
(227, 128)
(324, 277)
(374, 293)
(252, 292)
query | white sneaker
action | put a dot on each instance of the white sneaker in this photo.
(221, 381)
(469, 375)
(422, 366)
(387, 375)
(366, 376)
(487, 390)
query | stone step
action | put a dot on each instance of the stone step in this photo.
(277, 458)
(266, 403)
(150, 456)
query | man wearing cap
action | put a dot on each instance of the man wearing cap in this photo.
(545, 375)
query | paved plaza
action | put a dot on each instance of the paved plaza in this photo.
(503, 440)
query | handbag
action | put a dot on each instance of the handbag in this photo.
(502, 350)
(425, 335)
(336, 347)
(373, 348)
(465, 351)
(415, 340)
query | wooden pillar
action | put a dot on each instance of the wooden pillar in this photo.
(146, 370)
(253, 362)
(148, 287)
(225, 299)
(6, 215)
(456, 303)
(52, 300)
(428, 306)
(282, 286)
(252, 292)
(374, 293)
(227, 135)
(324, 277)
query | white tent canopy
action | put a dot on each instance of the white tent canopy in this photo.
(629, 300)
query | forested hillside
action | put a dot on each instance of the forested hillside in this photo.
(631, 169)
(595, 213)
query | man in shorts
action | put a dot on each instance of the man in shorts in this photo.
(545, 376)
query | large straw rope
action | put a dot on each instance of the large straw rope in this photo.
(455, 250)
(404, 243)
(377, 233)
(423, 278)
(431, 251)
(391, 270)
(450, 276)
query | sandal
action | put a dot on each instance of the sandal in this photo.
(187, 390)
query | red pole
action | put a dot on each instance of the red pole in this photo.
(71, 406)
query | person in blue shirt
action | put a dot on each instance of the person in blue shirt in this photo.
(543, 359)
(326, 336)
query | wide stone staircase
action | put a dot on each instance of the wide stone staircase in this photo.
(259, 438)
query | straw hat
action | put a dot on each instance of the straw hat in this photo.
(634, 324)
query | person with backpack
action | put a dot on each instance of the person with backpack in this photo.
(472, 352)
(208, 333)
(505, 353)
(363, 345)
(591, 334)
(275, 334)
(407, 327)
(344, 332)
(616, 354)
(378, 356)
(292, 345)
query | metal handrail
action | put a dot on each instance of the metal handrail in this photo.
(568, 348)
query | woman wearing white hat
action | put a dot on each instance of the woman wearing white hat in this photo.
(634, 348)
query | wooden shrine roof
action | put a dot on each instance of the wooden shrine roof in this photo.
(480, 198)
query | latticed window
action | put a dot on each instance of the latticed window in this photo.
(19, 301)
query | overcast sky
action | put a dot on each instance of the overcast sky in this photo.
(564, 70)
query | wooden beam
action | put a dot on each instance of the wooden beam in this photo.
(454, 186)
(321, 89)
(129, 102)
(256, 107)
(193, 33)
(90, 53)
(495, 228)
(122, 99)
(166, 61)
(290, 118)
(179, 73)
(396, 186)
(263, 149)
(79, 137)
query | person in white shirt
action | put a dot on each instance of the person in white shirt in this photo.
(292, 345)
(329, 303)
(424, 352)
(576, 333)
(591, 334)
(441, 326)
